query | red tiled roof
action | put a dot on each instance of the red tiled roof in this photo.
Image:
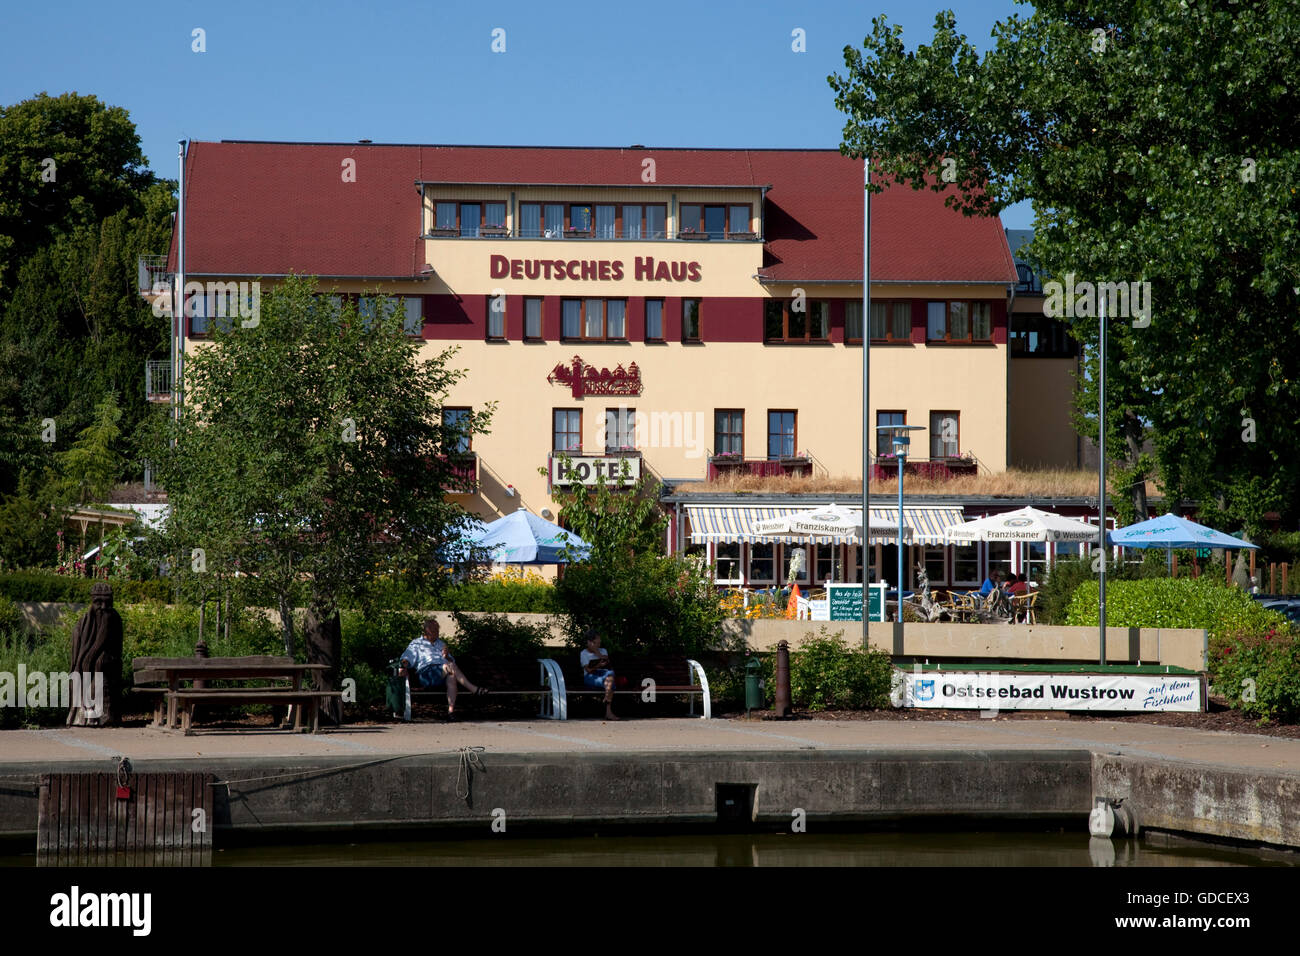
(274, 208)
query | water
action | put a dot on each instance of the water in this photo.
(766, 849)
(855, 849)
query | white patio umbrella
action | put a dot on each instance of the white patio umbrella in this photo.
(1025, 524)
(831, 521)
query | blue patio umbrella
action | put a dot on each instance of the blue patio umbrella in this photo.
(1169, 532)
(457, 549)
(523, 538)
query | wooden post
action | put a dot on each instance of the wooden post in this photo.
(1175, 564)
(1284, 584)
(1272, 577)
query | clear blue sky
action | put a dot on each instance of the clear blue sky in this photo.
(609, 73)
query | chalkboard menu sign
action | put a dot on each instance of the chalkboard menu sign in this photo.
(846, 602)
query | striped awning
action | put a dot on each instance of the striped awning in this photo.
(727, 523)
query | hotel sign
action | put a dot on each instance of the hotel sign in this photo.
(644, 269)
(617, 471)
(586, 379)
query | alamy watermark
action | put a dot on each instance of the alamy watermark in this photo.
(641, 429)
(1123, 300)
(221, 300)
(62, 690)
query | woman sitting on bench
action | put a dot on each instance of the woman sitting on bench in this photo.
(427, 656)
(596, 672)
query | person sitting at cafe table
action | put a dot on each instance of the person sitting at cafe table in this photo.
(1019, 586)
(991, 583)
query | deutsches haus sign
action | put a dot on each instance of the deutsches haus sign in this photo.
(644, 269)
(1139, 693)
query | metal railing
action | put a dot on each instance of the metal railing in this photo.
(157, 379)
(151, 269)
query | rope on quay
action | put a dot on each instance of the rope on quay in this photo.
(469, 762)
(320, 771)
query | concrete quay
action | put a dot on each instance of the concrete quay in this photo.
(691, 771)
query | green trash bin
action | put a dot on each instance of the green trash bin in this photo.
(753, 685)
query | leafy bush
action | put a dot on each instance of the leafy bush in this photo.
(499, 596)
(1202, 602)
(1259, 673)
(496, 636)
(11, 619)
(643, 603)
(370, 641)
(826, 672)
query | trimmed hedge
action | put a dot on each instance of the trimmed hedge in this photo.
(1181, 602)
(49, 586)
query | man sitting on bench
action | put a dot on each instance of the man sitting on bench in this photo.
(427, 656)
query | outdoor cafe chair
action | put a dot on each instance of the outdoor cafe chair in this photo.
(964, 606)
(1023, 606)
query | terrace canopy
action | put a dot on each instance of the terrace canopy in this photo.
(716, 523)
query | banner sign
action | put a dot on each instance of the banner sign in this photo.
(616, 470)
(970, 690)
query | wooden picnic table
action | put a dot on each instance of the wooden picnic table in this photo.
(173, 670)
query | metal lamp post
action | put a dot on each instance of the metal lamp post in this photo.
(901, 442)
(866, 387)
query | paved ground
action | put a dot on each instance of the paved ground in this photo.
(1211, 748)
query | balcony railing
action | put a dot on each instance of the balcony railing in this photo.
(733, 466)
(151, 270)
(158, 380)
(463, 479)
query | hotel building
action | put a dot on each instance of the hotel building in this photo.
(689, 313)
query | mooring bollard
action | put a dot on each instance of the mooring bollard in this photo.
(783, 679)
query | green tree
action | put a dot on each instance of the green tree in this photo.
(88, 470)
(29, 523)
(75, 326)
(637, 598)
(310, 454)
(66, 161)
(612, 518)
(1158, 143)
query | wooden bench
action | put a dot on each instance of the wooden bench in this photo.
(520, 677)
(174, 670)
(642, 676)
(255, 695)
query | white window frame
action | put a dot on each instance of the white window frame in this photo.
(738, 566)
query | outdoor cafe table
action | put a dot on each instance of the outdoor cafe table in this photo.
(173, 670)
